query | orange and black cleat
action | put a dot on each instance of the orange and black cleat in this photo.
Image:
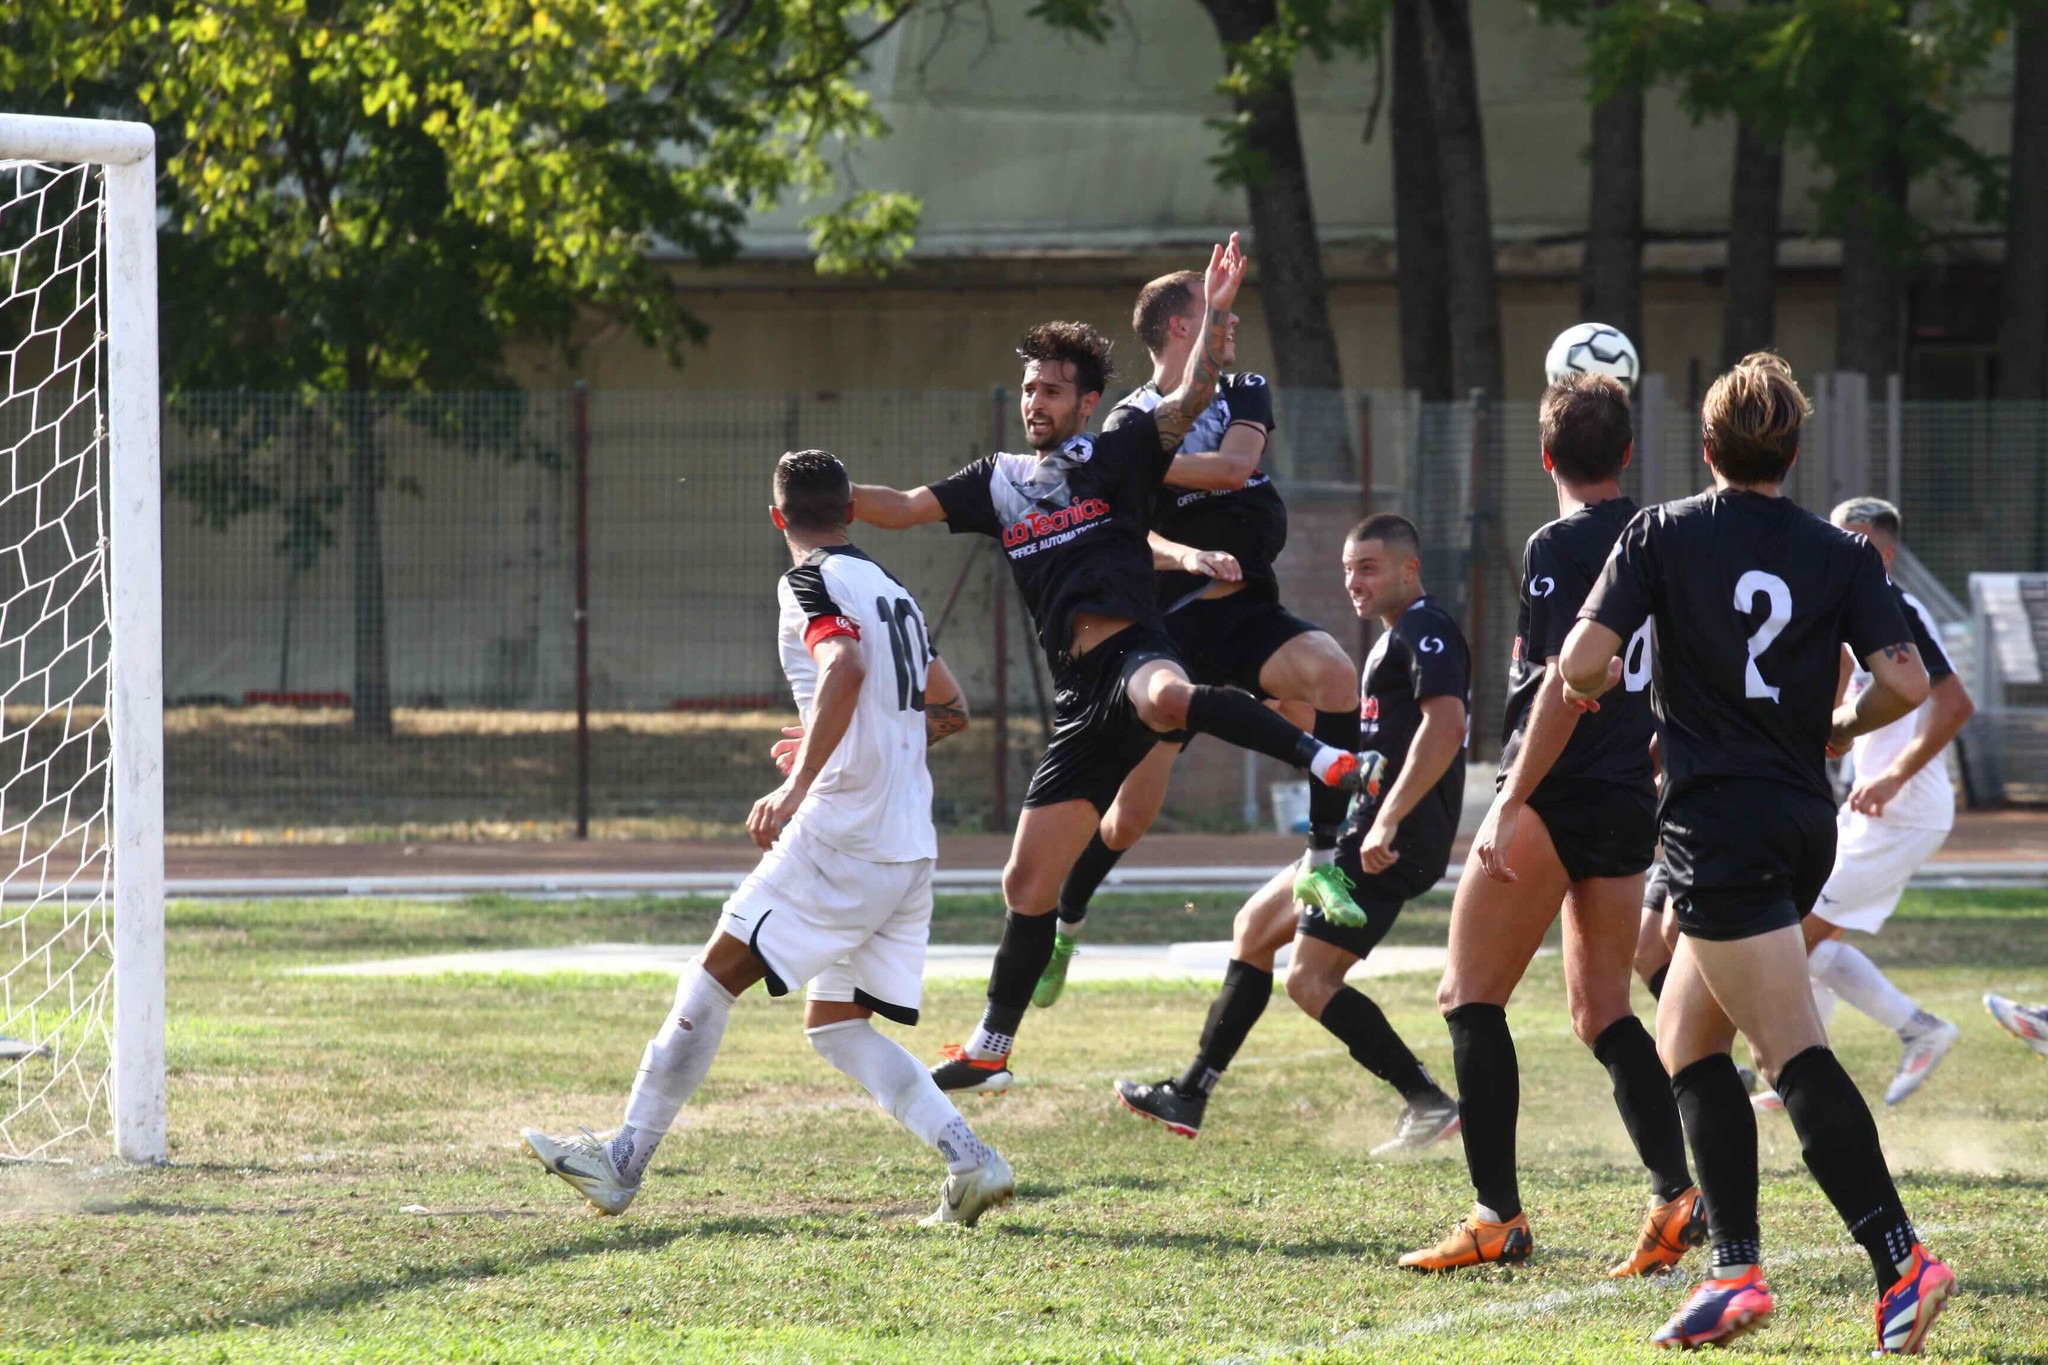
(1671, 1229)
(1475, 1242)
(959, 1074)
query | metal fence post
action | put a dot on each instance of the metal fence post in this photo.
(581, 407)
(1894, 439)
(1650, 439)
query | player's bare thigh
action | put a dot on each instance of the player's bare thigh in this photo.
(1311, 668)
(1758, 985)
(1601, 917)
(731, 963)
(1140, 799)
(1048, 840)
(1496, 927)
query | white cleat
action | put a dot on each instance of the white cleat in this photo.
(2028, 1023)
(1767, 1101)
(1923, 1053)
(585, 1163)
(964, 1198)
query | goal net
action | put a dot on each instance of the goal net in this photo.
(81, 808)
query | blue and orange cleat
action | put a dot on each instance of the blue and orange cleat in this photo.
(1718, 1312)
(1910, 1307)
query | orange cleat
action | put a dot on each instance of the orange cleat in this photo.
(1671, 1229)
(1475, 1242)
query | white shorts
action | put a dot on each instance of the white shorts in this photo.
(855, 930)
(1873, 863)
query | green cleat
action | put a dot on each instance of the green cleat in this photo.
(1329, 890)
(1047, 992)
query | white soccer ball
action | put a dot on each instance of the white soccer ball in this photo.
(1593, 348)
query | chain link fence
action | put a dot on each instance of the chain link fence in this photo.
(308, 538)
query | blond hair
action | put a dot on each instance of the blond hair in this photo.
(1751, 418)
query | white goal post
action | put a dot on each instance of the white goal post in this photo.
(87, 391)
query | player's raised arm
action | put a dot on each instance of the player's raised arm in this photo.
(1227, 468)
(893, 508)
(1178, 410)
(840, 675)
(945, 705)
(1171, 555)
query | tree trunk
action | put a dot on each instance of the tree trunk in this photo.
(1875, 252)
(2023, 337)
(372, 695)
(1749, 320)
(1611, 275)
(1291, 285)
(1421, 266)
(1468, 214)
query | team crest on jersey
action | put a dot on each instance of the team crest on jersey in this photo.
(1431, 644)
(1542, 586)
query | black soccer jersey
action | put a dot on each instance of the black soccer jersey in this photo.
(1073, 523)
(1753, 598)
(1249, 522)
(1560, 564)
(1424, 655)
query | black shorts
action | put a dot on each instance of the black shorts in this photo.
(1601, 829)
(1746, 856)
(1097, 737)
(1425, 853)
(1225, 641)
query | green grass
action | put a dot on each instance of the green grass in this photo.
(307, 1113)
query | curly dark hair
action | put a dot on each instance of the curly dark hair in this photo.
(1075, 343)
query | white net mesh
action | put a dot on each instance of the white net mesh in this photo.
(56, 902)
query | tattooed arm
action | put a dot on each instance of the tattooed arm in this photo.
(1898, 683)
(1177, 411)
(945, 706)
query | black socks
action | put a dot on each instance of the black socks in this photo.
(1642, 1092)
(1720, 1128)
(1237, 717)
(1656, 982)
(1020, 960)
(1084, 877)
(1359, 1025)
(1489, 1098)
(1246, 991)
(1840, 1143)
(1327, 805)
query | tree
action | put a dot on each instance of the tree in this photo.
(376, 196)
(1749, 317)
(1451, 70)
(1611, 276)
(1421, 264)
(2023, 336)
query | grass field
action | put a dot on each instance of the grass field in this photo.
(346, 1182)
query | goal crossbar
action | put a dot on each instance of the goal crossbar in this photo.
(126, 152)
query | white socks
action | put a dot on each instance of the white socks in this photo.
(673, 1066)
(1857, 980)
(986, 1046)
(1070, 929)
(1319, 766)
(903, 1087)
(1824, 1000)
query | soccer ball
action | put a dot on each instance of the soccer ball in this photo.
(1593, 348)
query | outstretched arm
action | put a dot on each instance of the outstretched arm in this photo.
(1169, 555)
(894, 509)
(1177, 411)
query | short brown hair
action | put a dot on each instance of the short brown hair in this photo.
(1160, 302)
(1585, 426)
(812, 490)
(1750, 421)
(1076, 344)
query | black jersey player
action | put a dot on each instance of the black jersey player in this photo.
(1231, 630)
(1417, 688)
(1753, 599)
(1574, 824)
(1072, 517)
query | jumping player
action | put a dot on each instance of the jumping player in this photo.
(842, 898)
(1230, 632)
(1418, 684)
(1753, 599)
(1898, 815)
(1574, 821)
(1073, 518)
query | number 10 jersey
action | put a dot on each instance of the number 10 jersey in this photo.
(874, 798)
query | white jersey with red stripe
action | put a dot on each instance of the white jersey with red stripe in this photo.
(874, 798)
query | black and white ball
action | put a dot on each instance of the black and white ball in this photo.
(1593, 348)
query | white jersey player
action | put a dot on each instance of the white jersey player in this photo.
(1899, 812)
(842, 897)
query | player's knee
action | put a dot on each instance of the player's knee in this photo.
(1310, 988)
(1591, 1018)
(1164, 707)
(1025, 889)
(1334, 684)
(1123, 826)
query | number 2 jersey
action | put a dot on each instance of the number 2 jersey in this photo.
(1753, 599)
(1560, 565)
(874, 798)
